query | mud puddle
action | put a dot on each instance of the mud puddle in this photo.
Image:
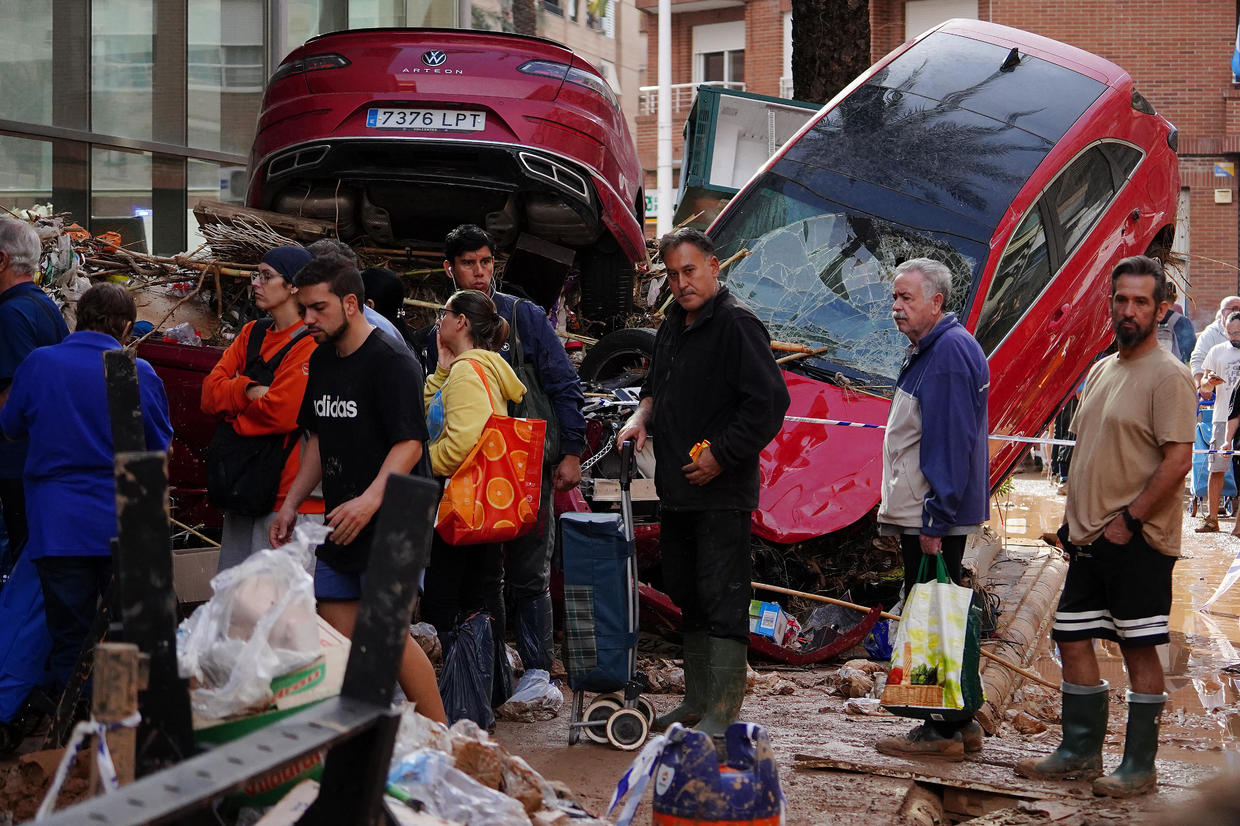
(1202, 662)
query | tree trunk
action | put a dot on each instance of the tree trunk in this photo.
(830, 46)
(525, 17)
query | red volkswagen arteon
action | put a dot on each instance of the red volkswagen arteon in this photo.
(398, 135)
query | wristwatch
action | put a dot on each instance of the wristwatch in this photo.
(1134, 524)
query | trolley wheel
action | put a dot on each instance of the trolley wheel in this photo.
(599, 711)
(1192, 506)
(647, 708)
(618, 696)
(627, 729)
(574, 732)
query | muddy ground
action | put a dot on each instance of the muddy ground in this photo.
(831, 773)
(805, 716)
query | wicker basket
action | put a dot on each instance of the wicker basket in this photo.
(928, 696)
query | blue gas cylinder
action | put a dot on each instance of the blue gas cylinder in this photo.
(691, 788)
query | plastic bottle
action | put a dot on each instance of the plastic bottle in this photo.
(184, 333)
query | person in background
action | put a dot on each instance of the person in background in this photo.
(713, 399)
(255, 409)
(469, 260)
(1122, 531)
(59, 403)
(1214, 333)
(1220, 377)
(362, 410)
(1175, 330)
(28, 319)
(936, 462)
(323, 246)
(385, 293)
(464, 580)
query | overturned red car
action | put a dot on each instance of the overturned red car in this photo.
(1029, 167)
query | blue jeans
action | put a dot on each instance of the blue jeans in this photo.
(72, 588)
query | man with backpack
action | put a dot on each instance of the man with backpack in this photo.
(28, 319)
(553, 393)
(256, 390)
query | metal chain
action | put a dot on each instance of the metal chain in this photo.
(609, 446)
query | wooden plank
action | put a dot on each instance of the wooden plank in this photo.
(114, 698)
(1014, 791)
(641, 490)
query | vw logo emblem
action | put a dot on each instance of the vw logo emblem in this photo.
(434, 57)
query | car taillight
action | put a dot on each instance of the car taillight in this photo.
(309, 64)
(561, 71)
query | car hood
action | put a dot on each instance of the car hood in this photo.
(819, 478)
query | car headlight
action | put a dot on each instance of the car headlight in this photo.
(309, 64)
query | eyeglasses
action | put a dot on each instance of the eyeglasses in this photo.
(260, 277)
(442, 312)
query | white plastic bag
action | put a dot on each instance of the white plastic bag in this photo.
(429, 777)
(534, 700)
(259, 624)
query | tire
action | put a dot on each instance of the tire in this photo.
(627, 729)
(599, 711)
(619, 358)
(647, 708)
(606, 287)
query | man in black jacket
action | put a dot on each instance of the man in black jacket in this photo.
(712, 400)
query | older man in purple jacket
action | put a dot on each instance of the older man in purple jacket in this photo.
(936, 487)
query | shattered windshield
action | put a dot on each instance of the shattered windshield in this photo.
(819, 275)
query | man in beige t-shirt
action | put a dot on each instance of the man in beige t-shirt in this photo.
(1134, 439)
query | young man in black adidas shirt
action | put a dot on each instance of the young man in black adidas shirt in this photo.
(363, 412)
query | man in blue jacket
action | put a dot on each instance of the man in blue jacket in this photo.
(58, 402)
(469, 260)
(28, 319)
(936, 487)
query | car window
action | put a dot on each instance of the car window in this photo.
(819, 274)
(1080, 195)
(1022, 274)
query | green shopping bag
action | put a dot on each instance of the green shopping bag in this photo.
(934, 659)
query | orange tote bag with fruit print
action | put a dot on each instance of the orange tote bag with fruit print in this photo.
(493, 496)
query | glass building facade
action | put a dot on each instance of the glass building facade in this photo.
(125, 112)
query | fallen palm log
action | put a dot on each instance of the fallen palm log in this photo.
(1027, 674)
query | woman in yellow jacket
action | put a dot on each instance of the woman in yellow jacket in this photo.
(463, 580)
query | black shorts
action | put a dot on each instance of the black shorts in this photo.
(1116, 592)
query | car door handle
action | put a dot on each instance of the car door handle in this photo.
(1060, 315)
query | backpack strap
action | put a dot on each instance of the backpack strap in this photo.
(275, 360)
(254, 347)
(9, 296)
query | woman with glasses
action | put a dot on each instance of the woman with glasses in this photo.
(463, 580)
(240, 392)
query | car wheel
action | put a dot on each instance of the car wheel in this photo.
(606, 287)
(620, 359)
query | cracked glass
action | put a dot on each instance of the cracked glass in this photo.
(819, 275)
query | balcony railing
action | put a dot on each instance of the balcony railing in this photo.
(682, 95)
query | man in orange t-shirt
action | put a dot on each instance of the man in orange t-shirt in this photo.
(258, 410)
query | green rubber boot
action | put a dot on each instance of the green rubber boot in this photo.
(726, 669)
(1136, 773)
(696, 682)
(1079, 755)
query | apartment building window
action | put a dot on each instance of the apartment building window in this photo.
(719, 53)
(554, 7)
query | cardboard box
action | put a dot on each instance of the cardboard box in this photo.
(315, 682)
(192, 570)
(767, 619)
